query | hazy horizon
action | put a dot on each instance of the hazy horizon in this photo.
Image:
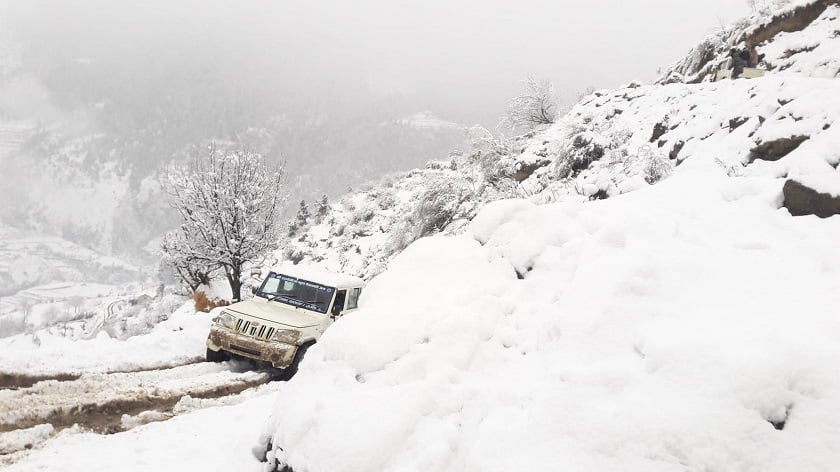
(461, 60)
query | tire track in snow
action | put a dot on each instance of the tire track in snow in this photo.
(99, 401)
(15, 380)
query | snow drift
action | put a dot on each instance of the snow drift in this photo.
(674, 328)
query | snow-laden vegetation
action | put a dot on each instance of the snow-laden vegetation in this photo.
(229, 204)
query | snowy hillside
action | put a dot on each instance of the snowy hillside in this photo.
(686, 325)
(674, 328)
(611, 143)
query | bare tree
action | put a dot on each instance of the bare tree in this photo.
(536, 107)
(229, 203)
(176, 255)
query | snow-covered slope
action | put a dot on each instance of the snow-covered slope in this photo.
(798, 38)
(686, 325)
(669, 329)
(614, 141)
(611, 143)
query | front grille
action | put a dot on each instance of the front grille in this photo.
(254, 330)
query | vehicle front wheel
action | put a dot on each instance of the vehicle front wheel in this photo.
(290, 371)
(216, 356)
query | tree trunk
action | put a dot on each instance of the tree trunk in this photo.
(235, 281)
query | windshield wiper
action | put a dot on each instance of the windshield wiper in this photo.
(283, 295)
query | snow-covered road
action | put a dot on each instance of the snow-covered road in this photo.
(108, 403)
(56, 394)
(102, 402)
(214, 435)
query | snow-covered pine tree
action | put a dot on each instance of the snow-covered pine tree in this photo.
(323, 206)
(229, 203)
(303, 215)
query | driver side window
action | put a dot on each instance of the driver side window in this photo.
(339, 299)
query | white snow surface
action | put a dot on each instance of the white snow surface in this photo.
(827, 183)
(660, 330)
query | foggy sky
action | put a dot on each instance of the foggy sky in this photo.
(460, 59)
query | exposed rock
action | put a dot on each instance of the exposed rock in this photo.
(658, 130)
(780, 418)
(776, 149)
(675, 152)
(734, 123)
(525, 171)
(802, 200)
(797, 20)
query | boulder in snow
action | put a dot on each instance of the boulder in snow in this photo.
(801, 199)
(776, 149)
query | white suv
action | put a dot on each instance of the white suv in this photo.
(292, 308)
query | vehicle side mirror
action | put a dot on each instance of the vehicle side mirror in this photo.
(336, 310)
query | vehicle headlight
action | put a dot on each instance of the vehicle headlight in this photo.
(226, 320)
(287, 336)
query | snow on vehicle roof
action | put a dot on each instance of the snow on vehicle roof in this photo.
(319, 274)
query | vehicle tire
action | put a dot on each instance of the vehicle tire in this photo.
(290, 371)
(216, 356)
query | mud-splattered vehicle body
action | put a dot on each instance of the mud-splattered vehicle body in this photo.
(289, 312)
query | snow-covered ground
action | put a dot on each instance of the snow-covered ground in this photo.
(666, 329)
(154, 391)
(218, 438)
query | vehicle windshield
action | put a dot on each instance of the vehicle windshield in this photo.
(296, 292)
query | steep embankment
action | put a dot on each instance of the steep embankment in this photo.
(687, 325)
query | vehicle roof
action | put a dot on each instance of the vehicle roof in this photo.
(319, 275)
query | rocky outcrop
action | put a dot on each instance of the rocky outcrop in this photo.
(802, 200)
(776, 149)
(795, 20)
(766, 26)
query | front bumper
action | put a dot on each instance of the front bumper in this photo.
(280, 355)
